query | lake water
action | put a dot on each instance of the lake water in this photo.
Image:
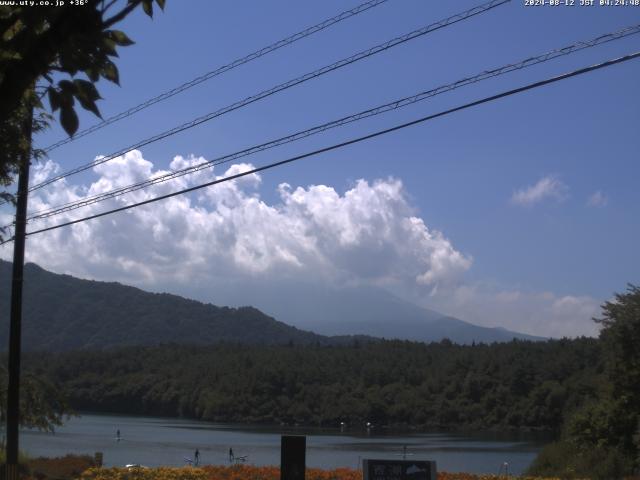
(161, 441)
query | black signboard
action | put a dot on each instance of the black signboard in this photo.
(398, 469)
(292, 457)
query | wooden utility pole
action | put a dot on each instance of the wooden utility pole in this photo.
(13, 391)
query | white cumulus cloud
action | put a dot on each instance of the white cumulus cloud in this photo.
(368, 234)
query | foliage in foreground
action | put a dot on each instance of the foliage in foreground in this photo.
(42, 404)
(42, 45)
(38, 42)
(69, 467)
(602, 438)
(570, 462)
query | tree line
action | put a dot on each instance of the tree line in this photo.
(516, 385)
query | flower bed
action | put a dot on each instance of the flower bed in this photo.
(247, 472)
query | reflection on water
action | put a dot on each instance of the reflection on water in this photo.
(159, 441)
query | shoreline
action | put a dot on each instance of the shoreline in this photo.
(386, 429)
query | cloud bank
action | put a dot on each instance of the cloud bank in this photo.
(368, 235)
(537, 313)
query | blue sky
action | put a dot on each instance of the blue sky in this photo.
(459, 174)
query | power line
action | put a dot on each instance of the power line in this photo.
(340, 122)
(223, 69)
(498, 96)
(286, 85)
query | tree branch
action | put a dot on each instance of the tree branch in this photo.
(122, 14)
(109, 5)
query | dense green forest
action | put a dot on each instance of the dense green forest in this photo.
(519, 384)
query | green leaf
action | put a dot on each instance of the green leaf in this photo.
(68, 60)
(120, 38)
(147, 6)
(90, 105)
(87, 94)
(93, 73)
(6, 55)
(66, 98)
(69, 119)
(161, 4)
(37, 103)
(110, 72)
(13, 30)
(87, 89)
(54, 98)
(6, 12)
(67, 87)
(110, 46)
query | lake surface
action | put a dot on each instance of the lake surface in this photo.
(162, 441)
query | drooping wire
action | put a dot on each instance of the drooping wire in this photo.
(403, 102)
(498, 96)
(363, 7)
(284, 86)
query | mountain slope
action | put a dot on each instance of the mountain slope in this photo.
(331, 310)
(61, 312)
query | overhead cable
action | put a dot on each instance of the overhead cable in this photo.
(578, 46)
(507, 93)
(284, 86)
(363, 7)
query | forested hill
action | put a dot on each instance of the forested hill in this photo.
(503, 385)
(61, 312)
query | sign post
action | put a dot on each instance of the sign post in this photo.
(293, 450)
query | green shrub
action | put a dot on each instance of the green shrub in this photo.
(68, 467)
(564, 460)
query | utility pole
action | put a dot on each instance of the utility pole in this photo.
(13, 391)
